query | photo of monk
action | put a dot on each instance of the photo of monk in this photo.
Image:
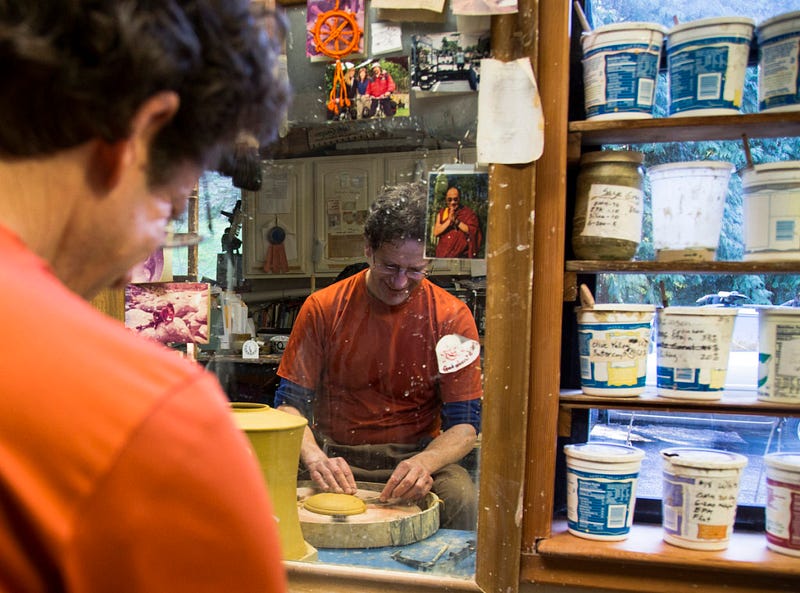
(457, 208)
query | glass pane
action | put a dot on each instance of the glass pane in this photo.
(652, 431)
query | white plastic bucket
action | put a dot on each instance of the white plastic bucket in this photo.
(620, 70)
(779, 355)
(772, 211)
(783, 500)
(706, 65)
(601, 489)
(693, 345)
(779, 63)
(699, 496)
(688, 200)
(613, 340)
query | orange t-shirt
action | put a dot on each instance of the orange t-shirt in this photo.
(373, 367)
(120, 467)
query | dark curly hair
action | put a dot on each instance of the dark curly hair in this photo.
(74, 70)
(398, 214)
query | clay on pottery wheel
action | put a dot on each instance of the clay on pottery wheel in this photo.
(331, 503)
(378, 525)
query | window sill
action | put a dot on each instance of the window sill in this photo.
(746, 566)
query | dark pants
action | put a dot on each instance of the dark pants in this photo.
(375, 463)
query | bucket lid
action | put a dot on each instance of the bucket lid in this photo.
(669, 167)
(605, 452)
(712, 22)
(260, 417)
(786, 16)
(621, 307)
(779, 311)
(683, 310)
(785, 461)
(613, 156)
(638, 25)
(781, 171)
(703, 458)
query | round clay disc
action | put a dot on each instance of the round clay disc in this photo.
(331, 503)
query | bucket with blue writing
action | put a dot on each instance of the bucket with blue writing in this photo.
(613, 341)
(699, 498)
(620, 70)
(692, 349)
(779, 355)
(779, 63)
(601, 489)
(706, 65)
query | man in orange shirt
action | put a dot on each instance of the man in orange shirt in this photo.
(386, 365)
(120, 467)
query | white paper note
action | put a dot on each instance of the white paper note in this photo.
(386, 38)
(434, 5)
(510, 119)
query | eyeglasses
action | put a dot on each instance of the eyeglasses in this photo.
(392, 270)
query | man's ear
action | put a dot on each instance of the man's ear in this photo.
(110, 160)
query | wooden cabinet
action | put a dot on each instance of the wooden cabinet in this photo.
(320, 205)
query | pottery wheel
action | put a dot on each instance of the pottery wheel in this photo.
(379, 525)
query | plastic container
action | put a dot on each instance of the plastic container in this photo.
(700, 490)
(688, 200)
(620, 70)
(779, 355)
(778, 63)
(601, 489)
(613, 340)
(706, 65)
(772, 211)
(276, 438)
(693, 345)
(783, 500)
(607, 223)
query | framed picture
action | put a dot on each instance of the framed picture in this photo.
(169, 312)
(458, 204)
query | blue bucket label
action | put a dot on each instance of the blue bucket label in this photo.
(613, 355)
(620, 78)
(701, 74)
(602, 504)
(779, 71)
(684, 379)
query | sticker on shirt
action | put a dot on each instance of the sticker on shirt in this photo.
(455, 352)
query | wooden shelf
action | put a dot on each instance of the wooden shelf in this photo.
(645, 561)
(686, 129)
(732, 402)
(655, 267)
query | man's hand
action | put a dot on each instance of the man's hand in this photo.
(410, 480)
(331, 474)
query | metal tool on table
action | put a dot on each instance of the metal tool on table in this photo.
(451, 559)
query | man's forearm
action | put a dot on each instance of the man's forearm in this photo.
(449, 447)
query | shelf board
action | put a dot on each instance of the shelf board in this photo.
(747, 564)
(687, 129)
(732, 402)
(708, 267)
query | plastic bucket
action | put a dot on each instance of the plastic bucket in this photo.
(620, 70)
(688, 200)
(783, 500)
(601, 489)
(772, 211)
(778, 59)
(706, 64)
(700, 490)
(779, 355)
(613, 340)
(693, 344)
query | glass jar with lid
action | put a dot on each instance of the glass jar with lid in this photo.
(607, 222)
